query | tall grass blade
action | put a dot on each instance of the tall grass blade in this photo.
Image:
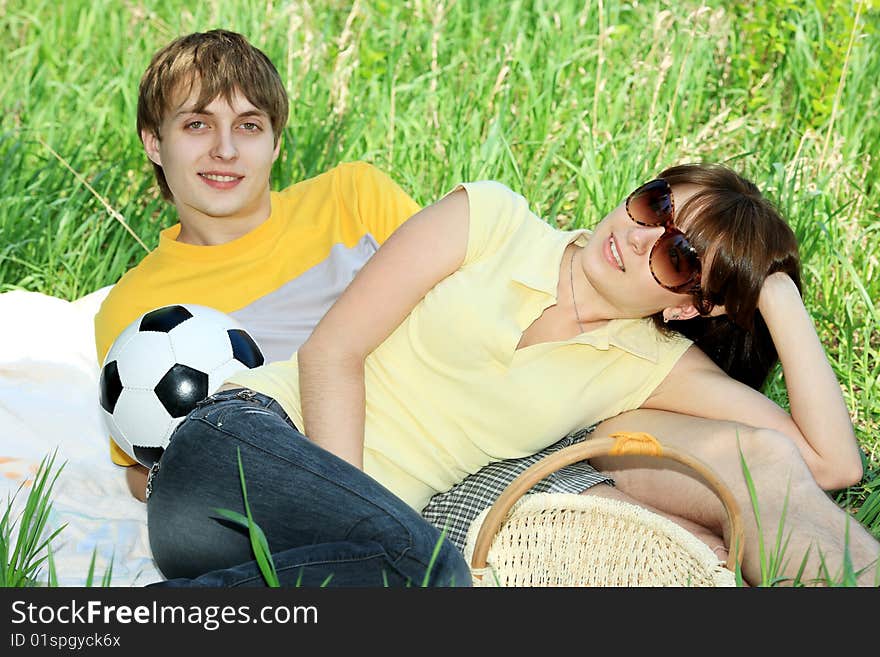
(777, 558)
(90, 575)
(848, 578)
(108, 574)
(799, 576)
(434, 554)
(824, 575)
(753, 496)
(259, 543)
(53, 574)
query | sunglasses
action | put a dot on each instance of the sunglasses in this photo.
(673, 261)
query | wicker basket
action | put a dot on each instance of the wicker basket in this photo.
(558, 539)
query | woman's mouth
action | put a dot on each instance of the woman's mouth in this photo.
(612, 254)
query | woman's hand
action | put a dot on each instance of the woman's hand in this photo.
(778, 285)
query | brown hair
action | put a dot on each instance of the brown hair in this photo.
(744, 239)
(221, 63)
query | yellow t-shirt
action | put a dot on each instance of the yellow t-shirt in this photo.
(448, 392)
(279, 279)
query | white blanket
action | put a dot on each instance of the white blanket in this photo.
(49, 400)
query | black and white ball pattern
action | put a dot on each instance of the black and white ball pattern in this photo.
(161, 366)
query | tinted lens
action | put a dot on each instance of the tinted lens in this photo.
(651, 204)
(674, 262)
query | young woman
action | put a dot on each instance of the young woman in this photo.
(479, 333)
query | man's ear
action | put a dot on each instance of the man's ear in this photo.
(684, 311)
(151, 145)
(277, 150)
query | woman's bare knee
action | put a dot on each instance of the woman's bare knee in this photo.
(773, 461)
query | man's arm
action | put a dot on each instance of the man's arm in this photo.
(136, 477)
(108, 325)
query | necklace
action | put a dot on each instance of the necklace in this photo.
(571, 280)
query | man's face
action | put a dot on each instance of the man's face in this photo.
(217, 163)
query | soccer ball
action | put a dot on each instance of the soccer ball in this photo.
(161, 366)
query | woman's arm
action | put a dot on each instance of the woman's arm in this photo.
(819, 422)
(425, 249)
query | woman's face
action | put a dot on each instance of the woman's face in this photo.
(616, 264)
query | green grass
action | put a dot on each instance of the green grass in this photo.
(26, 557)
(25, 545)
(570, 103)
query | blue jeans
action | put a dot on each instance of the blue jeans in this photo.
(322, 517)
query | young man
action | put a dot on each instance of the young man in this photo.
(211, 110)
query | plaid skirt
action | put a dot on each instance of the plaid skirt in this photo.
(455, 509)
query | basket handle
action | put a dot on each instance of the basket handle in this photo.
(617, 444)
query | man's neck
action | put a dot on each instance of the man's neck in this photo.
(219, 231)
(204, 230)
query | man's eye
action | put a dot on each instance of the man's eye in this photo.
(250, 127)
(195, 125)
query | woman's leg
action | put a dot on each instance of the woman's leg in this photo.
(321, 516)
(711, 538)
(812, 522)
